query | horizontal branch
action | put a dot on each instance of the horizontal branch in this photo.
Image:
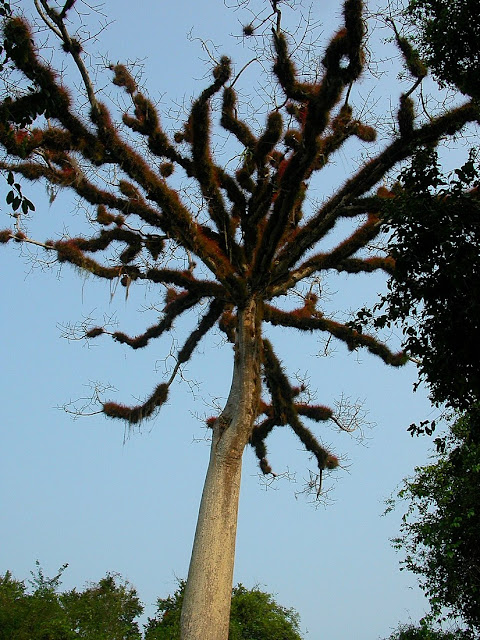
(136, 414)
(306, 320)
(184, 279)
(72, 177)
(175, 308)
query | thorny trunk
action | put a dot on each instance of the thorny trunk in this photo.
(206, 605)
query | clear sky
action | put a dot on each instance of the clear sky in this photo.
(77, 491)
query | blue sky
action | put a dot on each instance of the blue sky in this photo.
(78, 491)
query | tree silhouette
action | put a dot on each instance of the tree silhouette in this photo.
(256, 242)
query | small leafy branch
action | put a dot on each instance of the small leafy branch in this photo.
(15, 198)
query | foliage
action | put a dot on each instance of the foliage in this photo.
(103, 611)
(425, 632)
(38, 614)
(435, 225)
(449, 38)
(254, 616)
(440, 531)
(108, 610)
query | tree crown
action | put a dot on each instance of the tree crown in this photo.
(256, 237)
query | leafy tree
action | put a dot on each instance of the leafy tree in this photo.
(435, 239)
(256, 240)
(37, 614)
(434, 293)
(425, 632)
(11, 593)
(448, 33)
(254, 615)
(440, 532)
(106, 610)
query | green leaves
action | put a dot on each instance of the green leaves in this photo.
(106, 610)
(425, 632)
(434, 222)
(448, 35)
(15, 197)
(440, 531)
(254, 616)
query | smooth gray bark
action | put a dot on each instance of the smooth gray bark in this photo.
(206, 605)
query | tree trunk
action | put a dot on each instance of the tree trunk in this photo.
(206, 604)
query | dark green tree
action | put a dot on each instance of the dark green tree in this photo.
(106, 610)
(426, 632)
(33, 613)
(440, 531)
(448, 35)
(233, 262)
(434, 296)
(254, 615)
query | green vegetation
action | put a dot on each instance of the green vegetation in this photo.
(109, 610)
(440, 532)
(434, 295)
(106, 610)
(448, 36)
(425, 632)
(254, 616)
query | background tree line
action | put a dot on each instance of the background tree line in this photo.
(110, 610)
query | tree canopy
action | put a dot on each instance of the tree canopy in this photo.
(254, 615)
(110, 608)
(435, 292)
(426, 632)
(434, 296)
(107, 610)
(448, 36)
(440, 531)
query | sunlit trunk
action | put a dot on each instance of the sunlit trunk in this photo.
(206, 605)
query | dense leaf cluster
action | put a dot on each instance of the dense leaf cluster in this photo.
(440, 532)
(435, 225)
(109, 610)
(254, 616)
(449, 36)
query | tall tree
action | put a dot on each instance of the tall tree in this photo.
(256, 241)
